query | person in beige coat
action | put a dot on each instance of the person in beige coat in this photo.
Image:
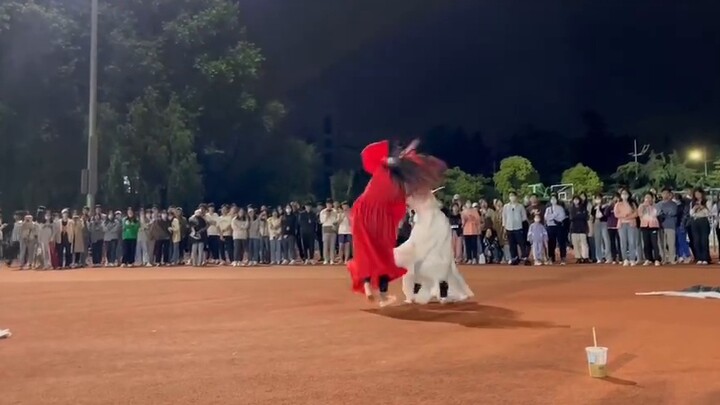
(64, 238)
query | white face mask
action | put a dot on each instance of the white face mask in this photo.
(624, 196)
(537, 220)
(553, 201)
(288, 211)
(164, 216)
(513, 198)
(598, 201)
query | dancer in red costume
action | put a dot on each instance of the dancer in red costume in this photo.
(379, 210)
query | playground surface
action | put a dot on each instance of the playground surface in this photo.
(296, 335)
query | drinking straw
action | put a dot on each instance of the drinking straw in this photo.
(594, 337)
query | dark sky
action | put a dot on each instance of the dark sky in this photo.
(402, 66)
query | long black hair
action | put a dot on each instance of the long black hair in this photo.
(416, 171)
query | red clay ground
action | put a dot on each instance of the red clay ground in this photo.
(297, 336)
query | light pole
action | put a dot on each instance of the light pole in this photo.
(700, 155)
(92, 152)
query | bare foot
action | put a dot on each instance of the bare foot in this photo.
(386, 300)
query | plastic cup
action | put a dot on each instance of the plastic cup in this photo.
(597, 361)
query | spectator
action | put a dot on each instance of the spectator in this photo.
(700, 226)
(274, 233)
(213, 232)
(599, 215)
(224, 224)
(668, 217)
(198, 238)
(497, 225)
(649, 229)
(143, 248)
(579, 230)
(457, 232)
(79, 247)
(130, 229)
(626, 214)
(255, 242)
(513, 218)
(45, 239)
(240, 226)
(612, 224)
(65, 233)
(345, 232)
(307, 222)
(328, 221)
(28, 236)
(176, 237)
(160, 233)
(471, 225)
(289, 223)
(538, 238)
(491, 247)
(555, 217)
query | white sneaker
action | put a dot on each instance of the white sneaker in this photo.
(657, 262)
(538, 263)
(646, 263)
(626, 263)
(326, 263)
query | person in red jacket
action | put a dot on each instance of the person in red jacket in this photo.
(379, 210)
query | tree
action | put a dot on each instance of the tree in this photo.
(659, 170)
(584, 179)
(468, 186)
(153, 159)
(515, 174)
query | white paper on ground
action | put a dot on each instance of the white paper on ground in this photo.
(5, 333)
(700, 295)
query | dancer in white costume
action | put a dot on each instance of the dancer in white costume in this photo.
(428, 256)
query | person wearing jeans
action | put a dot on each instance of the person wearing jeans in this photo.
(668, 217)
(328, 222)
(700, 226)
(513, 217)
(289, 225)
(471, 226)
(600, 230)
(176, 236)
(275, 235)
(626, 215)
(198, 237)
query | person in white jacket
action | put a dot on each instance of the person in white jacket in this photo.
(328, 221)
(428, 256)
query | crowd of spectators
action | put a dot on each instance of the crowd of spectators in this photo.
(621, 228)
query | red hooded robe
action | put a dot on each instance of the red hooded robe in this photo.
(376, 216)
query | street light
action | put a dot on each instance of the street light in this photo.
(699, 155)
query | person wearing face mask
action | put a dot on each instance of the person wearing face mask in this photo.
(649, 229)
(160, 233)
(700, 226)
(682, 246)
(612, 225)
(538, 239)
(289, 224)
(64, 234)
(600, 230)
(112, 228)
(555, 217)
(345, 232)
(96, 239)
(513, 217)
(45, 238)
(579, 230)
(142, 251)
(130, 229)
(626, 216)
(471, 226)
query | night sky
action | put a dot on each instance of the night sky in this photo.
(650, 68)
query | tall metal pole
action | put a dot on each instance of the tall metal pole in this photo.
(92, 151)
(705, 160)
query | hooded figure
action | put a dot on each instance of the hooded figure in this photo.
(379, 210)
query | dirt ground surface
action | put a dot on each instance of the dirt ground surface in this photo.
(298, 336)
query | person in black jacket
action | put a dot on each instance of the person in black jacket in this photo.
(307, 224)
(579, 230)
(289, 225)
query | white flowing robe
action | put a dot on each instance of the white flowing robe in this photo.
(428, 254)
